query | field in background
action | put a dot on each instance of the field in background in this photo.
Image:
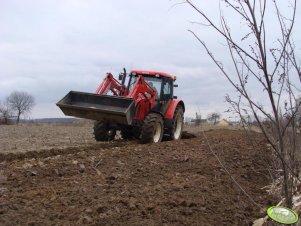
(22, 138)
(37, 137)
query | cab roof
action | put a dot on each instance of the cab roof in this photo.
(152, 73)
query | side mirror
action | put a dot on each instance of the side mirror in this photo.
(120, 77)
(175, 85)
(175, 97)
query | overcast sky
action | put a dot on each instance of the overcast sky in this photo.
(49, 47)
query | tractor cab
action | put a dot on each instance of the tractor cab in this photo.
(161, 82)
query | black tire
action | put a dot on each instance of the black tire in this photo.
(177, 124)
(126, 133)
(136, 132)
(102, 132)
(152, 129)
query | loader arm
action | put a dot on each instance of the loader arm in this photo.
(144, 96)
(111, 84)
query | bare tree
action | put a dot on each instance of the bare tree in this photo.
(5, 112)
(21, 103)
(214, 117)
(263, 57)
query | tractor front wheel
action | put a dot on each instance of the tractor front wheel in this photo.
(102, 132)
(152, 129)
(177, 126)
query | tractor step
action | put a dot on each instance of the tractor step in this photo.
(113, 109)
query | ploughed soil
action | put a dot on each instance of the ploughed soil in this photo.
(126, 183)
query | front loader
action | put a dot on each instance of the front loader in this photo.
(145, 108)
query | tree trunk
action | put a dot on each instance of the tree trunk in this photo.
(288, 195)
(18, 117)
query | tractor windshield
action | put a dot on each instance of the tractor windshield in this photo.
(152, 81)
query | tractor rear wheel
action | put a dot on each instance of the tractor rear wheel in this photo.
(102, 132)
(152, 129)
(177, 124)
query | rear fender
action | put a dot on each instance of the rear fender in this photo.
(172, 108)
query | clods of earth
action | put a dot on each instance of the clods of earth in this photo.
(124, 183)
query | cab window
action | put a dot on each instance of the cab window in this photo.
(155, 83)
(166, 91)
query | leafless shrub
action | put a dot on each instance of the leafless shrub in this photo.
(5, 112)
(269, 64)
(214, 117)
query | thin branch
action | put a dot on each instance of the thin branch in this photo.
(230, 175)
(228, 78)
(219, 31)
(288, 34)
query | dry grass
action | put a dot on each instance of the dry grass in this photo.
(208, 127)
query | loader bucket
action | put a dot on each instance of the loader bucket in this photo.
(112, 109)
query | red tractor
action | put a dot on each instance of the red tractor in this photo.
(145, 109)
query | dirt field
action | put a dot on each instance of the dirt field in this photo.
(25, 138)
(58, 175)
